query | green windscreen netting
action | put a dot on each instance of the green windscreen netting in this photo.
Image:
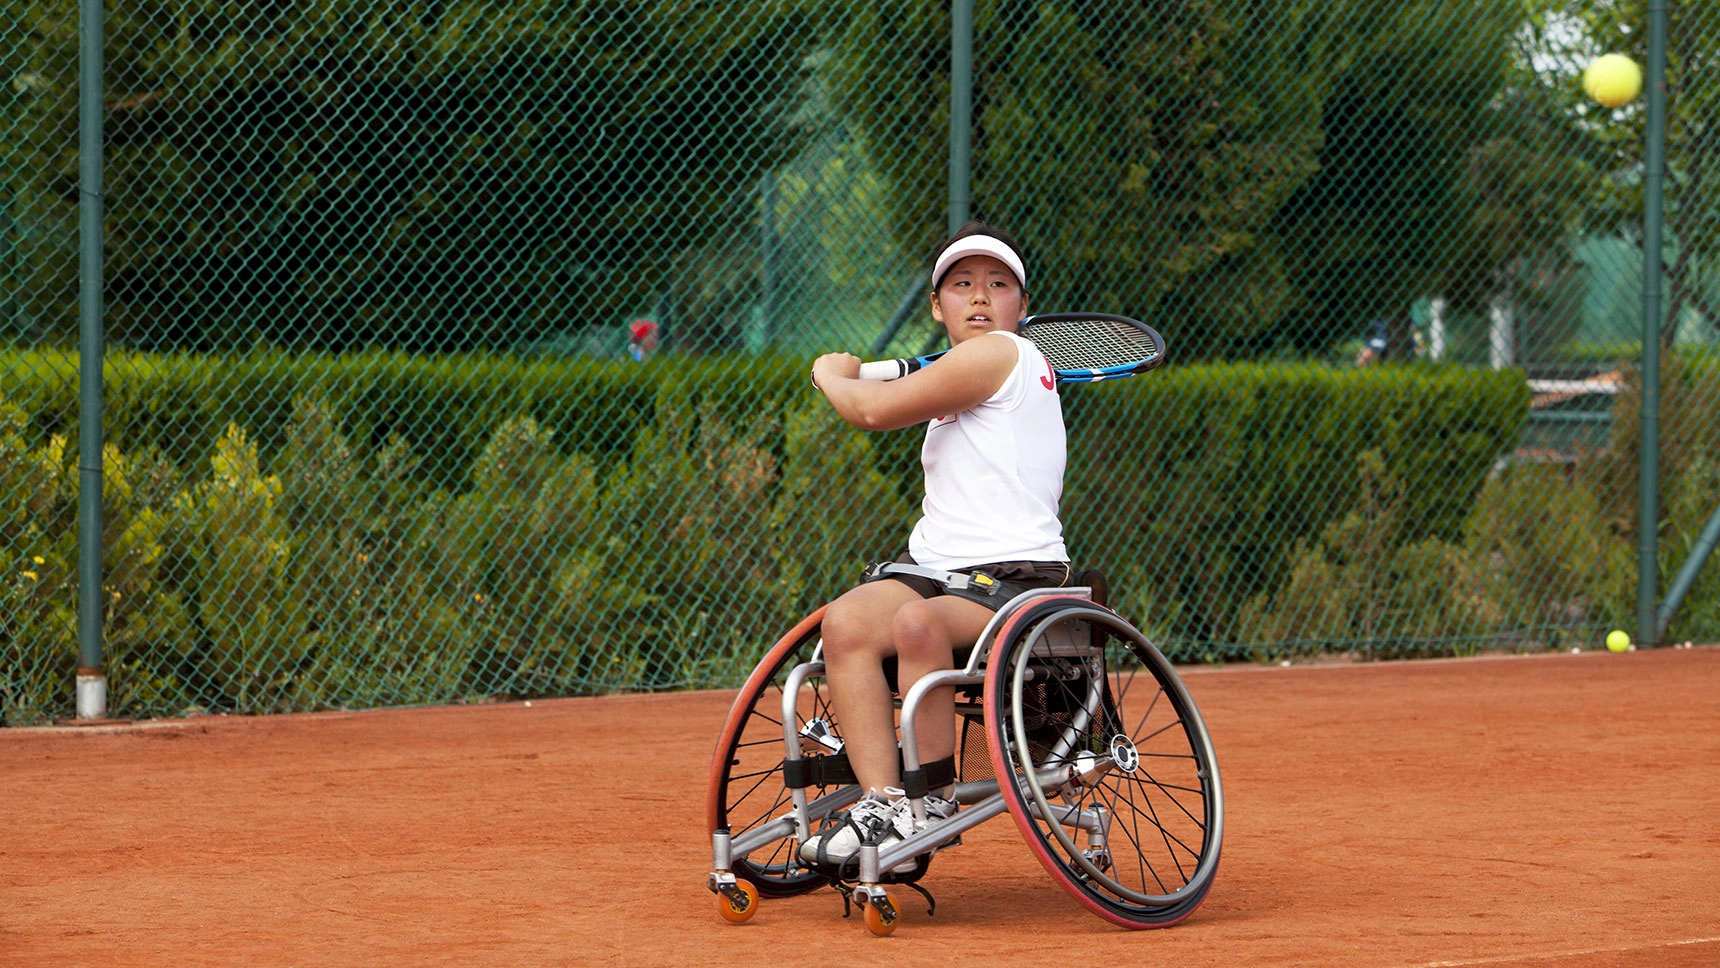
(458, 350)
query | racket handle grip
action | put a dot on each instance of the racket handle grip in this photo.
(884, 370)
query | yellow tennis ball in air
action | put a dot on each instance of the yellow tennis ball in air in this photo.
(1617, 641)
(1613, 80)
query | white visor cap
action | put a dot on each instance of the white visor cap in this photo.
(978, 245)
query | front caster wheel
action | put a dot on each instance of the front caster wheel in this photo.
(881, 914)
(737, 902)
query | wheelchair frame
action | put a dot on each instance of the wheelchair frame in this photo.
(1036, 641)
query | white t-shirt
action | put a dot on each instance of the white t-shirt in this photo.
(994, 474)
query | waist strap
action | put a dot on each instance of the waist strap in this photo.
(978, 583)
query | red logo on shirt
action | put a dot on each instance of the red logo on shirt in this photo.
(1048, 381)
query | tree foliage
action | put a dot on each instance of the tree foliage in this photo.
(433, 174)
(1692, 220)
(1265, 174)
(443, 174)
(1417, 173)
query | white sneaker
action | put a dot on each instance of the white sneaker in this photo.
(937, 808)
(880, 819)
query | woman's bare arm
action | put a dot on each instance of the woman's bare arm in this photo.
(961, 379)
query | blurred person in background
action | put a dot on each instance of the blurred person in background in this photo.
(641, 339)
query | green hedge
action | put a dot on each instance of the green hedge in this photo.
(292, 533)
(1197, 483)
(443, 408)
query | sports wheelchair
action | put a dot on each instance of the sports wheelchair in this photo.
(1068, 719)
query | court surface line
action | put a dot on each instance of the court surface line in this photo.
(1579, 953)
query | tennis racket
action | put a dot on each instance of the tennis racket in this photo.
(1081, 348)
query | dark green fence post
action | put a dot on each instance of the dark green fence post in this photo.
(92, 682)
(961, 108)
(1648, 485)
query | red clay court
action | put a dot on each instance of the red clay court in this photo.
(1554, 811)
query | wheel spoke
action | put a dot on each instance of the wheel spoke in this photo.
(1165, 831)
(1149, 713)
(756, 773)
(1166, 789)
(769, 813)
(1132, 831)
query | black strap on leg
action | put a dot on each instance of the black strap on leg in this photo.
(930, 776)
(832, 770)
(835, 770)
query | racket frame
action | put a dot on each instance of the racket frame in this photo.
(898, 368)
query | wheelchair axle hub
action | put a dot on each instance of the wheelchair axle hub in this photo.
(1123, 751)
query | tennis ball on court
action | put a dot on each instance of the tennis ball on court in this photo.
(1617, 641)
(1613, 80)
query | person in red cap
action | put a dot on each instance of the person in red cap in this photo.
(641, 338)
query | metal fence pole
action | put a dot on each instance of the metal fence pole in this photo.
(1687, 574)
(91, 682)
(767, 257)
(911, 302)
(961, 109)
(1648, 484)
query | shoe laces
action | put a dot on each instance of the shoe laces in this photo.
(872, 806)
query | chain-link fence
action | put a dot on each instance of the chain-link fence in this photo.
(458, 350)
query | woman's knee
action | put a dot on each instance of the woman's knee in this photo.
(852, 627)
(919, 634)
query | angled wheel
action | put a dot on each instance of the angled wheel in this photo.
(747, 787)
(1105, 763)
(881, 915)
(736, 909)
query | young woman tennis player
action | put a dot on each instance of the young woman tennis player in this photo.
(993, 457)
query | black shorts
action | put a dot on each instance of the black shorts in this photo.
(1021, 574)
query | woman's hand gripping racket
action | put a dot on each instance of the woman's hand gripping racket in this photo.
(1081, 348)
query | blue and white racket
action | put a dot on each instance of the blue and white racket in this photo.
(1081, 348)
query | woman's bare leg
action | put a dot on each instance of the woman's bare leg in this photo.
(863, 628)
(927, 633)
(857, 638)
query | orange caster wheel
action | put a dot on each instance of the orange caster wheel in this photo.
(737, 902)
(881, 915)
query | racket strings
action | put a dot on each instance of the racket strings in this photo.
(1091, 344)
